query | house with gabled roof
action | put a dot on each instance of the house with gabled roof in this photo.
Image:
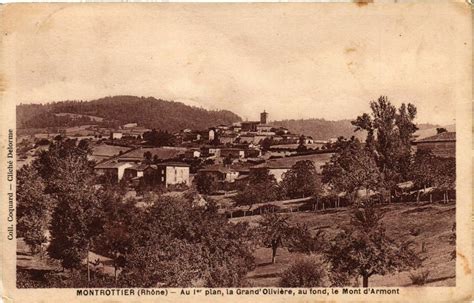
(441, 145)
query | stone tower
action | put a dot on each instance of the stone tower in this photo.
(263, 117)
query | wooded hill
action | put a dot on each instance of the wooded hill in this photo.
(148, 112)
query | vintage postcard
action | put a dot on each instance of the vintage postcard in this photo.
(236, 152)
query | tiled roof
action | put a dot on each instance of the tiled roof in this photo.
(217, 168)
(443, 137)
(179, 164)
(139, 167)
(110, 165)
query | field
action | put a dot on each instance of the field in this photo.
(433, 220)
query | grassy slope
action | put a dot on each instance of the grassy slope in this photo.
(435, 222)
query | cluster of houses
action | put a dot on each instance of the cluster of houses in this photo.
(229, 154)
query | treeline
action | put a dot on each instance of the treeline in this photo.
(50, 120)
(148, 112)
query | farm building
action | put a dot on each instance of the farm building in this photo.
(113, 170)
(117, 135)
(220, 174)
(234, 153)
(138, 171)
(162, 153)
(279, 164)
(130, 125)
(172, 173)
(192, 153)
(441, 145)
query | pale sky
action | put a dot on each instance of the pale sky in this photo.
(293, 60)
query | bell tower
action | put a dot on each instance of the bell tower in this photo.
(263, 117)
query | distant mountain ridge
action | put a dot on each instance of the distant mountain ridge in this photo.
(148, 112)
(321, 129)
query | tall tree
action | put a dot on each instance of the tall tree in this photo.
(364, 249)
(261, 187)
(389, 132)
(76, 218)
(34, 208)
(423, 169)
(158, 138)
(351, 168)
(301, 180)
(178, 243)
(274, 230)
(206, 184)
(445, 176)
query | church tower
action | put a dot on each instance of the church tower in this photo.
(263, 117)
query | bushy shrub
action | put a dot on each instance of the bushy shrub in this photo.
(419, 278)
(307, 272)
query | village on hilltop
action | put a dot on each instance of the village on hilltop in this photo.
(138, 157)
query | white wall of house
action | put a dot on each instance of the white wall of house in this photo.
(117, 135)
(212, 134)
(121, 170)
(177, 175)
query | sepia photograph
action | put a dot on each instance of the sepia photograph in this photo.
(266, 148)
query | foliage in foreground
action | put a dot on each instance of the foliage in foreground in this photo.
(306, 272)
(176, 243)
(364, 249)
(419, 278)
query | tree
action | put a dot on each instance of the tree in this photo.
(115, 241)
(301, 180)
(301, 144)
(158, 138)
(266, 143)
(351, 168)
(306, 272)
(274, 230)
(389, 132)
(423, 168)
(363, 249)
(206, 184)
(33, 208)
(445, 176)
(179, 243)
(440, 130)
(75, 222)
(261, 187)
(147, 156)
(76, 218)
(227, 160)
